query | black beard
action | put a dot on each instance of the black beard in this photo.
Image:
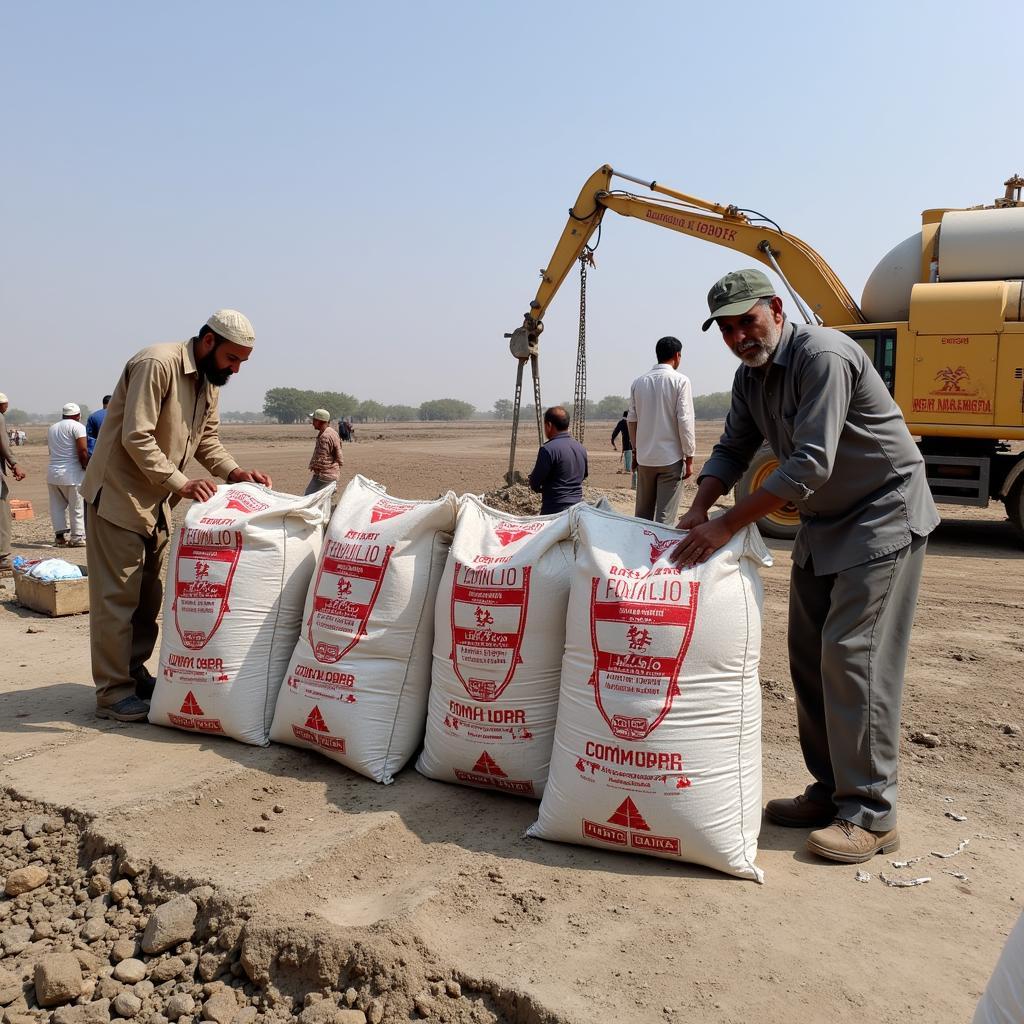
(212, 372)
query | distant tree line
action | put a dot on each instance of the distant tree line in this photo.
(611, 407)
(18, 417)
(293, 405)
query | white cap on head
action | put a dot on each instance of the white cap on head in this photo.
(71, 409)
(233, 326)
(3, 398)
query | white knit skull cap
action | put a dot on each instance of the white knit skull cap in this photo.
(71, 409)
(3, 398)
(233, 326)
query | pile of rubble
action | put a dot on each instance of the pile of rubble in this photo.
(88, 935)
(518, 500)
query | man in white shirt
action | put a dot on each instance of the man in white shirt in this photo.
(69, 455)
(661, 427)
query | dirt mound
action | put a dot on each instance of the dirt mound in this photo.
(87, 934)
(517, 499)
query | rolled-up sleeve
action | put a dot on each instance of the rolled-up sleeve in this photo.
(738, 444)
(826, 388)
(147, 385)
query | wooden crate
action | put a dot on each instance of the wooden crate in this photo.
(59, 597)
(21, 509)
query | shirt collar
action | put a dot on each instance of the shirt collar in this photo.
(188, 357)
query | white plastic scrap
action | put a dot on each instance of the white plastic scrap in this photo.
(946, 856)
(956, 817)
(903, 883)
(863, 876)
(958, 875)
(905, 863)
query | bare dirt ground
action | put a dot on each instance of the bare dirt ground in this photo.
(566, 933)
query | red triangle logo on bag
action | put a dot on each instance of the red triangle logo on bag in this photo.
(190, 706)
(486, 765)
(315, 720)
(627, 814)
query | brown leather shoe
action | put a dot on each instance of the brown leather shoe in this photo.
(799, 812)
(850, 844)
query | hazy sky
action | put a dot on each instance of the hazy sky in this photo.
(377, 186)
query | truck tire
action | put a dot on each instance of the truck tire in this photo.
(1014, 503)
(782, 524)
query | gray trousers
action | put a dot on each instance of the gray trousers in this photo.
(316, 484)
(125, 593)
(848, 639)
(5, 519)
(658, 491)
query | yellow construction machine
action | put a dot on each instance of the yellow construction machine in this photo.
(942, 318)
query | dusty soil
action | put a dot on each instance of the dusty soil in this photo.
(443, 876)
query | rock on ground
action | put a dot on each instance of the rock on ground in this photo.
(126, 1004)
(169, 924)
(58, 979)
(179, 1005)
(130, 971)
(221, 1007)
(22, 880)
(96, 1012)
(10, 987)
(164, 970)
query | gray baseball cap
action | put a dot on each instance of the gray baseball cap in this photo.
(736, 294)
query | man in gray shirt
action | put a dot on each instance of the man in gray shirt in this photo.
(848, 462)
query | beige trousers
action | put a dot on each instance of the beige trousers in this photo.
(5, 519)
(125, 593)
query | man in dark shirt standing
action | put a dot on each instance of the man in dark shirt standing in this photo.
(561, 465)
(622, 429)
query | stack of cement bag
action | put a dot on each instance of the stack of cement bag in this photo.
(562, 658)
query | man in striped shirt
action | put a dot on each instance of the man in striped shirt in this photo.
(325, 465)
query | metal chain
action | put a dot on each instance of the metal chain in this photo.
(537, 407)
(509, 477)
(579, 417)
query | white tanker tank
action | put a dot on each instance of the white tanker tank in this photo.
(970, 245)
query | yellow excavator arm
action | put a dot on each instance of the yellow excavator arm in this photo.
(803, 269)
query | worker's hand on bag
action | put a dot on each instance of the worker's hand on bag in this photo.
(700, 543)
(199, 490)
(249, 476)
(692, 518)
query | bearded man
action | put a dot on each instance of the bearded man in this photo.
(162, 413)
(849, 464)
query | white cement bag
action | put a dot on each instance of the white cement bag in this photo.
(1002, 1002)
(239, 570)
(658, 741)
(499, 635)
(356, 687)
